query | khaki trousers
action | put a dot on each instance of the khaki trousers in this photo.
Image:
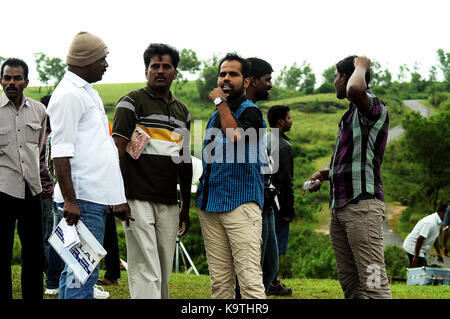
(356, 232)
(151, 240)
(233, 246)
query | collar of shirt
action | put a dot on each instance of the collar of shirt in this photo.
(284, 136)
(234, 105)
(4, 100)
(153, 94)
(76, 80)
(438, 218)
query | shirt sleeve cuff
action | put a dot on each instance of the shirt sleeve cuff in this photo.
(63, 150)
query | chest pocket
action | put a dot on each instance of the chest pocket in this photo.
(32, 132)
(4, 136)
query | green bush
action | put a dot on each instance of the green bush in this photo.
(309, 255)
(396, 262)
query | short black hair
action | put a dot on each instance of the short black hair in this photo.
(45, 99)
(346, 66)
(245, 65)
(277, 112)
(160, 49)
(259, 67)
(16, 63)
(442, 208)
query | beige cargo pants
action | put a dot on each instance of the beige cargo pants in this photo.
(233, 246)
(151, 241)
(356, 232)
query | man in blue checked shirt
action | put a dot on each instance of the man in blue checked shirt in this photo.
(231, 191)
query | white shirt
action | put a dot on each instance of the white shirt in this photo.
(80, 130)
(427, 227)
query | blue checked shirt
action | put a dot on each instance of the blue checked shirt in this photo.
(232, 170)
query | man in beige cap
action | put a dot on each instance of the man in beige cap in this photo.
(84, 154)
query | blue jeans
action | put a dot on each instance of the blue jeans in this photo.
(55, 263)
(93, 216)
(269, 248)
(282, 231)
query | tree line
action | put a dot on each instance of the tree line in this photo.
(298, 77)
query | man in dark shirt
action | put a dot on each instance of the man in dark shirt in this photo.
(151, 178)
(280, 148)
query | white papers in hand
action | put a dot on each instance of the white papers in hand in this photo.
(71, 238)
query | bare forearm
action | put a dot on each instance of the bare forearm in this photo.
(64, 175)
(436, 246)
(322, 175)
(121, 144)
(185, 170)
(357, 83)
(227, 121)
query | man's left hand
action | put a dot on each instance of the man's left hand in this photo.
(217, 92)
(184, 219)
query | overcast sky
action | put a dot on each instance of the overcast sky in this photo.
(393, 32)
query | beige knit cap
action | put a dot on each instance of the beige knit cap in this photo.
(85, 49)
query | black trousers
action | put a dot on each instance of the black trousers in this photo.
(110, 243)
(28, 215)
(422, 261)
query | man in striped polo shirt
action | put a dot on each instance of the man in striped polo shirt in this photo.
(151, 177)
(356, 190)
(231, 190)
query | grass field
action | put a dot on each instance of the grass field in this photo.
(188, 286)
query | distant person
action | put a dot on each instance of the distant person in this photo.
(152, 176)
(279, 117)
(47, 192)
(258, 90)
(112, 258)
(356, 190)
(84, 154)
(22, 129)
(230, 195)
(424, 235)
(54, 264)
(445, 232)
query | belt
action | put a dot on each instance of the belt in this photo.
(363, 196)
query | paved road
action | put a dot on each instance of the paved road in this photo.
(415, 105)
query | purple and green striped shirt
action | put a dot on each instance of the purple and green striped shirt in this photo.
(355, 166)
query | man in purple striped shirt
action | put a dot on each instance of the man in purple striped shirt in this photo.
(356, 190)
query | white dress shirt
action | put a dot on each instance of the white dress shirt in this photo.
(80, 130)
(428, 228)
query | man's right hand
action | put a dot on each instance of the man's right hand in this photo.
(316, 175)
(71, 212)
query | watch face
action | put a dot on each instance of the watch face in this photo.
(218, 100)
